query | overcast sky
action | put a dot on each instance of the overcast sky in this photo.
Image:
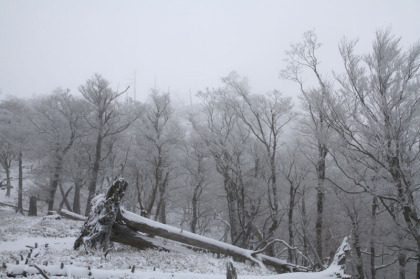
(182, 45)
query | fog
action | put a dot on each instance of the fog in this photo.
(180, 46)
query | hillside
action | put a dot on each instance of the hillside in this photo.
(52, 238)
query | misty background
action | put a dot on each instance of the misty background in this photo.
(281, 127)
(182, 46)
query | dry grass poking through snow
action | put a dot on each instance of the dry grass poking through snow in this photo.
(16, 232)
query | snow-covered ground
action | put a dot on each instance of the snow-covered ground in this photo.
(55, 237)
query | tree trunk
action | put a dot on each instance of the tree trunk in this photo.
(95, 170)
(319, 225)
(64, 200)
(125, 235)
(194, 218)
(33, 209)
(161, 207)
(55, 180)
(372, 238)
(76, 199)
(359, 263)
(64, 195)
(20, 187)
(232, 203)
(290, 252)
(401, 264)
(275, 205)
(305, 223)
(8, 185)
(418, 262)
(150, 227)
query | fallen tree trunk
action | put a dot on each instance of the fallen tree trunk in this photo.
(12, 206)
(108, 222)
(148, 226)
(125, 235)
(121, 234)
(71, 215)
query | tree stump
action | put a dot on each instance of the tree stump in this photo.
(97, 229)
(231, 271)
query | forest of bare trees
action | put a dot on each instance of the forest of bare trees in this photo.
(240, 166)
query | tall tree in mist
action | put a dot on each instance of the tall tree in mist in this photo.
(266, 117)
(302, 57)
(8, 150)
(105, 119)
(158, 135)
(57, 119)
(376, 112)
(14, 135)
(228, 142)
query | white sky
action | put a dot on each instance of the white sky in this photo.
(183, 45)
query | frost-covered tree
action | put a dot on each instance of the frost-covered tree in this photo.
(197, 172)
(57, 119)
(157, 135)
(266, 117)
(376, 112)
(106, 119)
(8, 152)
(14, 135)
(301, 58)
(228, 142)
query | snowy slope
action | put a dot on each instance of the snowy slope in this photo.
(55, 238)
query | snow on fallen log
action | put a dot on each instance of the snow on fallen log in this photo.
(148, 226)
(109, 222)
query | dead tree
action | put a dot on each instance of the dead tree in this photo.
(97, 229)
(108, 222)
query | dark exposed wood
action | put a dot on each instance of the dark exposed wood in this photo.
(97, 228)
(125, 235)
(231, 271)
(33, 209)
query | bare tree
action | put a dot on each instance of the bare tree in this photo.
(265, 116)
(295, 173)
(9, 135)
(7, 155)
(197, 171)
(14, 134)
(158, 133)
(227, 139)
(76, 171)
(105, 119)
(57, 119)
(376, 112)
(302, 56)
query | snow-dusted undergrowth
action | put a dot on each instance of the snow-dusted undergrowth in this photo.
(17, 232)
(55, 238)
